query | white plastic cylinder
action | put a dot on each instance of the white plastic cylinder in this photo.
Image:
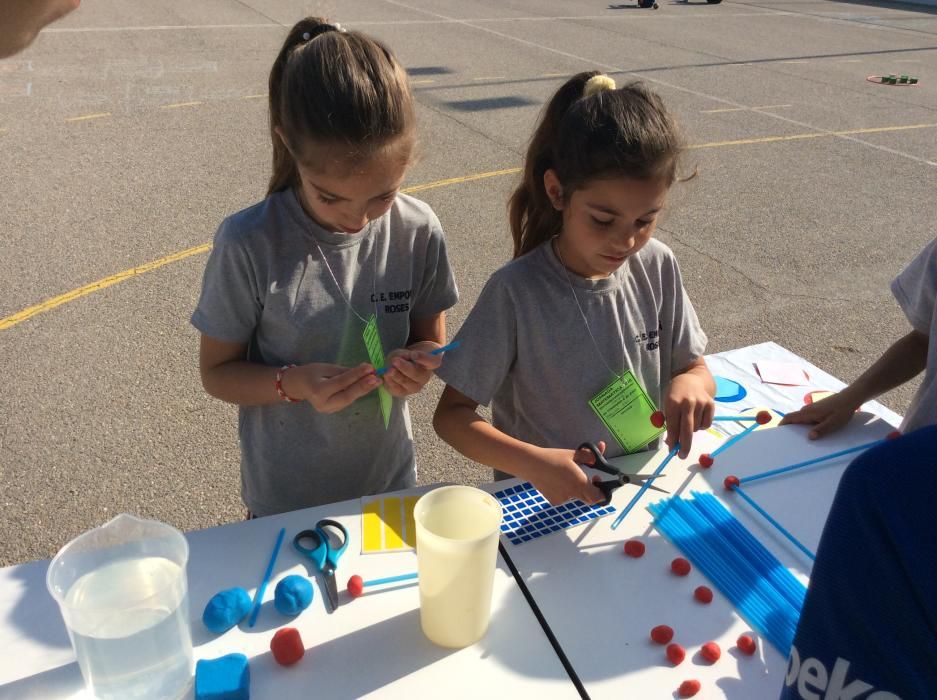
(456, 550)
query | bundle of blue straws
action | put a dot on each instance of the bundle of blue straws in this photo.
(762, 590)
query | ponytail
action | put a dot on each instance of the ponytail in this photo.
(331, 88)
(590, 130)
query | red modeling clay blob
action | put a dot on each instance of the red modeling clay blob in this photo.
(689, 688)
(287, 646)
(711, 652)
(662, 634)
(680, 566)
(703, 594)
(634, 548)
(657, 419)
(763, 417)
(893, 434)
(706, 460)
(676, 654)
(746, 644)
(731, 483)
(355, 586)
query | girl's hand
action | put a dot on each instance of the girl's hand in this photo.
(558, 476)
(688, 407)
(829, 415)
(411, 368)
(329, 388)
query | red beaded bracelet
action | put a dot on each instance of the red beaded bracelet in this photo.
(279, 384)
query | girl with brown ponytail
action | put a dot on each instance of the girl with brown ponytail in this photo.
(589, 328)
(305, 291)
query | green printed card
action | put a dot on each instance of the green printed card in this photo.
(626, 410)
(372, 341)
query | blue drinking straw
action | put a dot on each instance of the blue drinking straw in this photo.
(780, 528)
(438, 351)
(731, 441)
(809, 462)
(645, 485)
(259, 595)
(390, 579)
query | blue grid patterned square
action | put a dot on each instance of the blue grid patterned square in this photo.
(528, 515)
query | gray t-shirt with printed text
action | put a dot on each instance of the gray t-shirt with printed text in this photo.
(526, 349)
(266, 284)
(915, 288)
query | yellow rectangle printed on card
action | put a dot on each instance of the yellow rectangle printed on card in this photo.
(393, 524)
(408, 504)
(371, 527)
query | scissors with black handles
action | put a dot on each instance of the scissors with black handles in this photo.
(621, 478)
(324, 552)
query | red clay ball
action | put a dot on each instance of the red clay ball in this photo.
(711, 652)
(657, 419)
(703, 594)
(706, 460)
(662, 634)
(355, 586)
(731, 483)
(746, 644)
(287, 646)
(893, 434)
(689, 688)
(675, 654)
(680, 566)
(763, 417)
(634, 548)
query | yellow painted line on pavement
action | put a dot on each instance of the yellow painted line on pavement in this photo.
(794, 62)
(54, 302)
(87, 289)
(490, 77)
(554, 75)
(740, 109)
(181, 104)
(811, 135)
(422, 81)
(86, 117)
(850, 60)
(254, 97)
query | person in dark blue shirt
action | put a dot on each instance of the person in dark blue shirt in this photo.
(868, 629)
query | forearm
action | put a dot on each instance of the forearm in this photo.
(477, 439)
(903, 361)
(244, 383)
(700, 371)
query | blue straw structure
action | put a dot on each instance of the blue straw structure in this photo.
(774, 522)
(763, 591)
(644, 486)
(391, 579)
(809, 462)
(734, 439)
(740, 419)
(259, 595)
(438, 351)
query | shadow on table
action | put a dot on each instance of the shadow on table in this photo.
(62, 683)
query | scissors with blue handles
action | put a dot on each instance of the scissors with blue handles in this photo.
(324, 552)
(621, 478)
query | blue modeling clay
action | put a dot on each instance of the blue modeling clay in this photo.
(226, 609)
(225, 678)
(293, 595)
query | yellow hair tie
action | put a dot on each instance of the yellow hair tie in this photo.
(597, 83)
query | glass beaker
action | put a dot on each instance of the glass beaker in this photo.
(456, 551)
(122, 591)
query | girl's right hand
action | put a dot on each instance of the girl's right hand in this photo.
(560, 478)
(829, 414)
(329, 388)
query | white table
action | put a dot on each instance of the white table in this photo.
(372, 645)
(601, 605)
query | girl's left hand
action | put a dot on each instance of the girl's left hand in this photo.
(411, 368)
(688, 407)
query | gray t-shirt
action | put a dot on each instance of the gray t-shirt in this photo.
(526, 349)
(916, 289)
(266, 285)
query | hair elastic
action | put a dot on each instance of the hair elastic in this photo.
(598, 83)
